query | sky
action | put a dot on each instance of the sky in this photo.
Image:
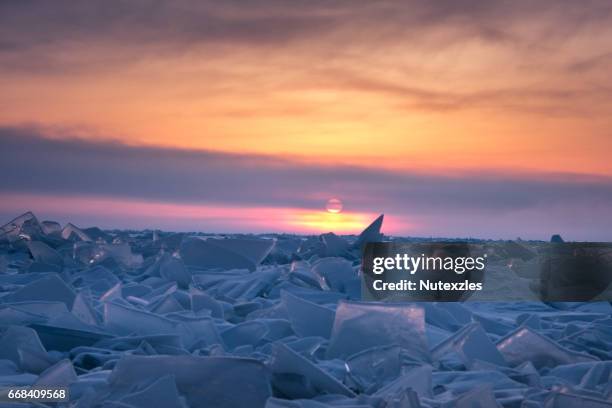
(453, 118)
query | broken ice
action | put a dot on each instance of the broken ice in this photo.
(145, 319)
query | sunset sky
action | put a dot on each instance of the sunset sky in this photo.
(454, 118)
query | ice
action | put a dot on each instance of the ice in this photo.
(371, 233)
(225, 253)
(122, 320)
(144, 319)
(73, 233)
(296, 377)
(204, 381)
(17, 338)
(42, 253)
(527, 345)
(361, 325)
(335, 273)
(471, 343)
(161, 393)
(51, 228)
(48, 288)
(334, 245)
(564, 400)
(480, 397)
(371, 369)
(60, 374)
(24, 226)
(417, 379)
(307, 318)
(172, 269)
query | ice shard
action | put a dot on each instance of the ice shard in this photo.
(371, 233)
(204, 381)
(296, 377)
(525, 344)
(362, 325)
(307, 318)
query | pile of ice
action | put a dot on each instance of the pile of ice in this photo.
(154, 319)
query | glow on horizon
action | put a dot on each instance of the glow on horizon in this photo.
(113, 213)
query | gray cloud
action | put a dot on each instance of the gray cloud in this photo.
(34, 27)
(31, 163)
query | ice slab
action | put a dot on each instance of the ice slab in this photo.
(361, 325)
(26, 225)
(224, 253)
(371, 369)
(60, 374)
(417, 379)
(73, 233)
(49, 288)
(471, 343)
(172, 269)
(16, 339)
(296, 377)
(335, 272)
(479, 397)
(307, 318)
(66, 338)
(122, 320)
(161, 393)
(334, 245)
(204, 381)
(43, 253)
(524, 344)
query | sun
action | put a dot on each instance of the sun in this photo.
(334, 205)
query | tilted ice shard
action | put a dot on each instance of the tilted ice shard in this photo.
(60, 374)
(471, 343)
(362, 325)
(172, 269)
(296, 377)
(254, 249)
(26, 226)
(43, 253)
(418, 379)
(373, 368)
(202, 254)
(371, 233)
(51, 228)
(336, 272)
(307, 318)
(334, 245)
(525, 344)
(50, 288)
(73, 233)
(18, 338)
(121, 320)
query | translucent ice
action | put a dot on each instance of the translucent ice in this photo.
(204, 381)
(371, 233)
(307, 318)
(73, 233)
(525, 344)
(362, 325)
(224, 253)
(49, 288)
(297, 377)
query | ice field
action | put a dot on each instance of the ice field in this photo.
(152, 319)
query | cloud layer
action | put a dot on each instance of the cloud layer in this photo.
(73, 167)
